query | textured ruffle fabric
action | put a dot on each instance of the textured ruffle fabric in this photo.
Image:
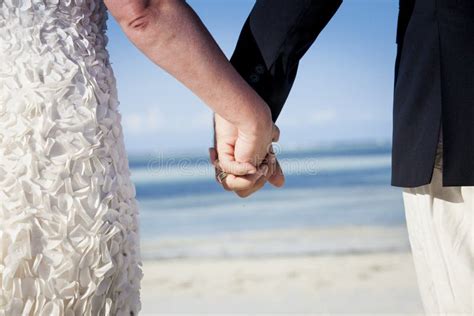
(68, 215)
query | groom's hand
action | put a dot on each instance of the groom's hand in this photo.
(231, 147)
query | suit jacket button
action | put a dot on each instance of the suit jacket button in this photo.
(260, 69)
(254, 78)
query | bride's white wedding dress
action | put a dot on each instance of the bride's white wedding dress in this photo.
(68, 216)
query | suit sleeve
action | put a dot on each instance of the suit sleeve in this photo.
(405, 13)
(274, 38)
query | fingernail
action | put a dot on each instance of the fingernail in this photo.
(252, 171)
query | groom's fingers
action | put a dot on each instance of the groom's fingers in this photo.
(274, 176)
(275, 133)
(212, 155)
(269, 168)
(257, 186)
(277, 179)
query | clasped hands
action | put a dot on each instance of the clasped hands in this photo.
(246, 156)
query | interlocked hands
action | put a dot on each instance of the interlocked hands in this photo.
(245, 161)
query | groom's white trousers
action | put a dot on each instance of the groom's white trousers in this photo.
(440, 228)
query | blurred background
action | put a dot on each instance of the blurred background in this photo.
(333, 240)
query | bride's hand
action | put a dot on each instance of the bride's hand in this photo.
(171, 35)
(240, 150)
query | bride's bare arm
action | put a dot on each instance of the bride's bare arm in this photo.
(173, 37)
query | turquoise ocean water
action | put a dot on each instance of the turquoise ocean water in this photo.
(336, 199)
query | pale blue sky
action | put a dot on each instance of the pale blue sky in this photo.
(343, 91)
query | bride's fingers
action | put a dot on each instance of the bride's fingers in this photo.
(242, 183)
(249, 184)
(236, 168)
(229, 165)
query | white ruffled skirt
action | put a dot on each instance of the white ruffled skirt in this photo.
(68, 216)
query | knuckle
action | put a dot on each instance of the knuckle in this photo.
(226, 167)
(242, 194)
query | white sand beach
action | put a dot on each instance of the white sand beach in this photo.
(349, 270)
(362, 284)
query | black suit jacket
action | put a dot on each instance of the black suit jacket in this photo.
(434, 76)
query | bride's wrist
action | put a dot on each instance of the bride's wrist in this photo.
(257, 121)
